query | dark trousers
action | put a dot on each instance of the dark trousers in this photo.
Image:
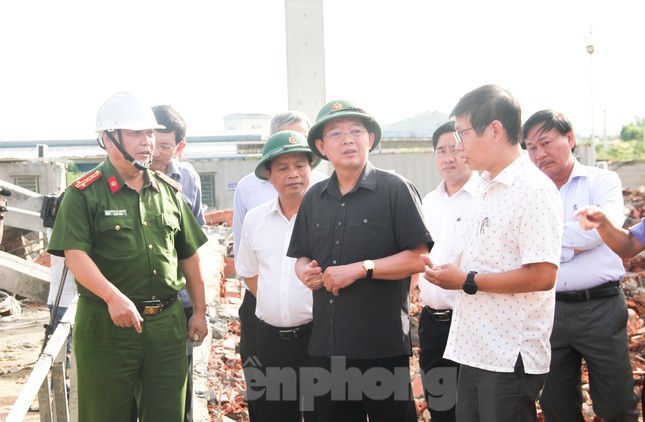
(361, 390)
(248, 342)
(596, 331)
(487, 396)
(438, 375)
(274, 384)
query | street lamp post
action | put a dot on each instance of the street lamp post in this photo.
(590, 50)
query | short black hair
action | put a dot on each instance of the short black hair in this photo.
(488, 103)
(448, 127)
(172, 120)
(552, 120)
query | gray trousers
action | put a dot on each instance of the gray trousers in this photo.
(487, 396)
(593, 330)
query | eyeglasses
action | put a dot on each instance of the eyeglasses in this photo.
(445, 150)
(457, 134)
(339, 134)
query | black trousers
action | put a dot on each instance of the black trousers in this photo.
(274, 384)
(439, 375)
(248, 341)
(361, 380)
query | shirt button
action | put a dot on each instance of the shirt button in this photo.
(149, 246)
(333, 262)
(154, 272)
(331, 300)
(337, 242)
(117, 227)
(342, 204)
(365, 221)
(340, 223)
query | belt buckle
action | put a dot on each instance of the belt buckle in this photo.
(441, 316)
(151, 307)
(284, 334)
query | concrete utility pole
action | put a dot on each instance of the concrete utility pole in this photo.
(590, 49)
(305, 55)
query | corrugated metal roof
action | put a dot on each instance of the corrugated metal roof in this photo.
(204, 147)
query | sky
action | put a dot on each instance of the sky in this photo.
(59, 60)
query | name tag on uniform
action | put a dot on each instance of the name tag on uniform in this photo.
(116, 213)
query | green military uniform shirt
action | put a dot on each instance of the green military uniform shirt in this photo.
(135, 239)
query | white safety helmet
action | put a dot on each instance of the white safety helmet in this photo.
(124, 111)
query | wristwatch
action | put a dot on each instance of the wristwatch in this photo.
(469, 286)
(368, 265)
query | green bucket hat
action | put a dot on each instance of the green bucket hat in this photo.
(285, 142)
(341, 108)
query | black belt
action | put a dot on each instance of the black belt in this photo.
(602, 291)
(153, 307)
(288, 333)
(443, 315)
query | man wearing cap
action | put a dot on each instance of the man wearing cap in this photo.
(283, 304)
(124, 230)
(249, 193)
(357, 238)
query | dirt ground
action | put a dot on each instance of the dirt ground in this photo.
(20, 343)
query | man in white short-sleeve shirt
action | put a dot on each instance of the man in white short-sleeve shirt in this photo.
(283, 303)
(588, 284)
(504, 314)
(445, 211)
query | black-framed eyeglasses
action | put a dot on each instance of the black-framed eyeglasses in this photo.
(457, 134)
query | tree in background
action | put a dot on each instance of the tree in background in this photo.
(633, 132)
(632, 145)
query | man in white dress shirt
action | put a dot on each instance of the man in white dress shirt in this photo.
(283, 303)
(503, 316)
(590, 311)
(445, 210)
(250, 192)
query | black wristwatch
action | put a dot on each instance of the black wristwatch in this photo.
(368, 266)
(469, 286)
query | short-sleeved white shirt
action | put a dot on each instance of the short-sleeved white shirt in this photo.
(516, 219)
(445, 217)
(282, 299)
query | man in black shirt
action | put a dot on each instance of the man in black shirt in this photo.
(358, 237)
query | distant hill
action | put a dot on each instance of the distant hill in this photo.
(421, 125)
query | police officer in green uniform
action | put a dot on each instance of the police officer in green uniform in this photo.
(124, 230)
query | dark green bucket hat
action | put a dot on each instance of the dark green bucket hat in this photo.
(281, 143)
(341, 108)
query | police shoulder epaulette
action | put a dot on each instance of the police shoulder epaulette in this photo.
(87, 180)
(163, 176)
